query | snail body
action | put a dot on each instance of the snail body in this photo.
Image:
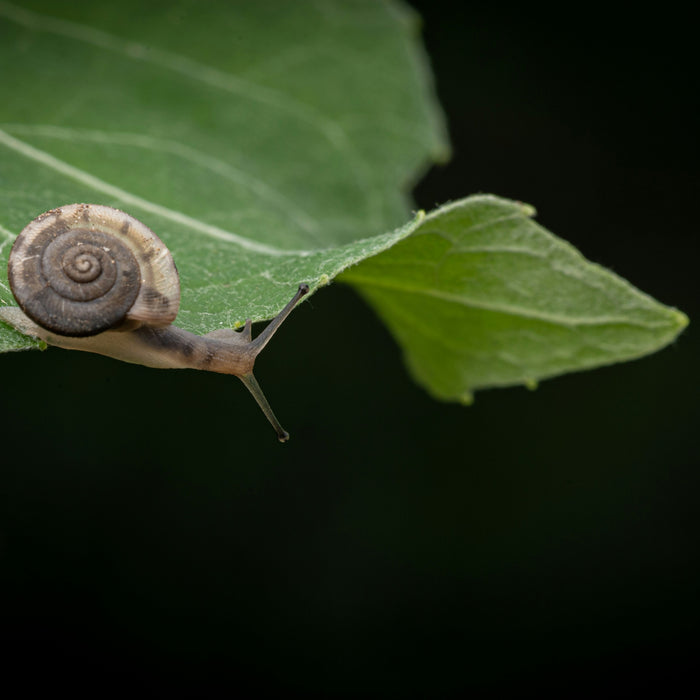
(93, 278)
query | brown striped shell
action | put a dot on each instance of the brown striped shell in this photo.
(83, 269)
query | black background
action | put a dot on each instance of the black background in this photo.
(152, 528)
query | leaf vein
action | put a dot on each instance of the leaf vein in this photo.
(189, 153)
(96, 183)
(502, 308)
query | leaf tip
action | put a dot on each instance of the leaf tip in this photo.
(681, 319)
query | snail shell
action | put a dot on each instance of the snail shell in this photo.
(83, 269)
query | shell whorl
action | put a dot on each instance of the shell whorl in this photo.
(83, 269)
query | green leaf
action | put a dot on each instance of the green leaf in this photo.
(272, 143)
(266, 143)
(480, 296)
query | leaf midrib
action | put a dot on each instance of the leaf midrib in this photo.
(70, 171)
(506, 309)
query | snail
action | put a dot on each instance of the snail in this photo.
(93, 278)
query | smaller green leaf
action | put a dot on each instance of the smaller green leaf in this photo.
(480, 296)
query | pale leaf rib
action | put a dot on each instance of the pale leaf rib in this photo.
(193, 155)
(96, 183)
(507, 309)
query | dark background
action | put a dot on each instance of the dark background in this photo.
(152, 529)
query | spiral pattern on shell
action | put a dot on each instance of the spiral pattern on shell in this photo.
(84, 269)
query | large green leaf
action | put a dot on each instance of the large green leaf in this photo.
(271, 143)
(266, 143)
